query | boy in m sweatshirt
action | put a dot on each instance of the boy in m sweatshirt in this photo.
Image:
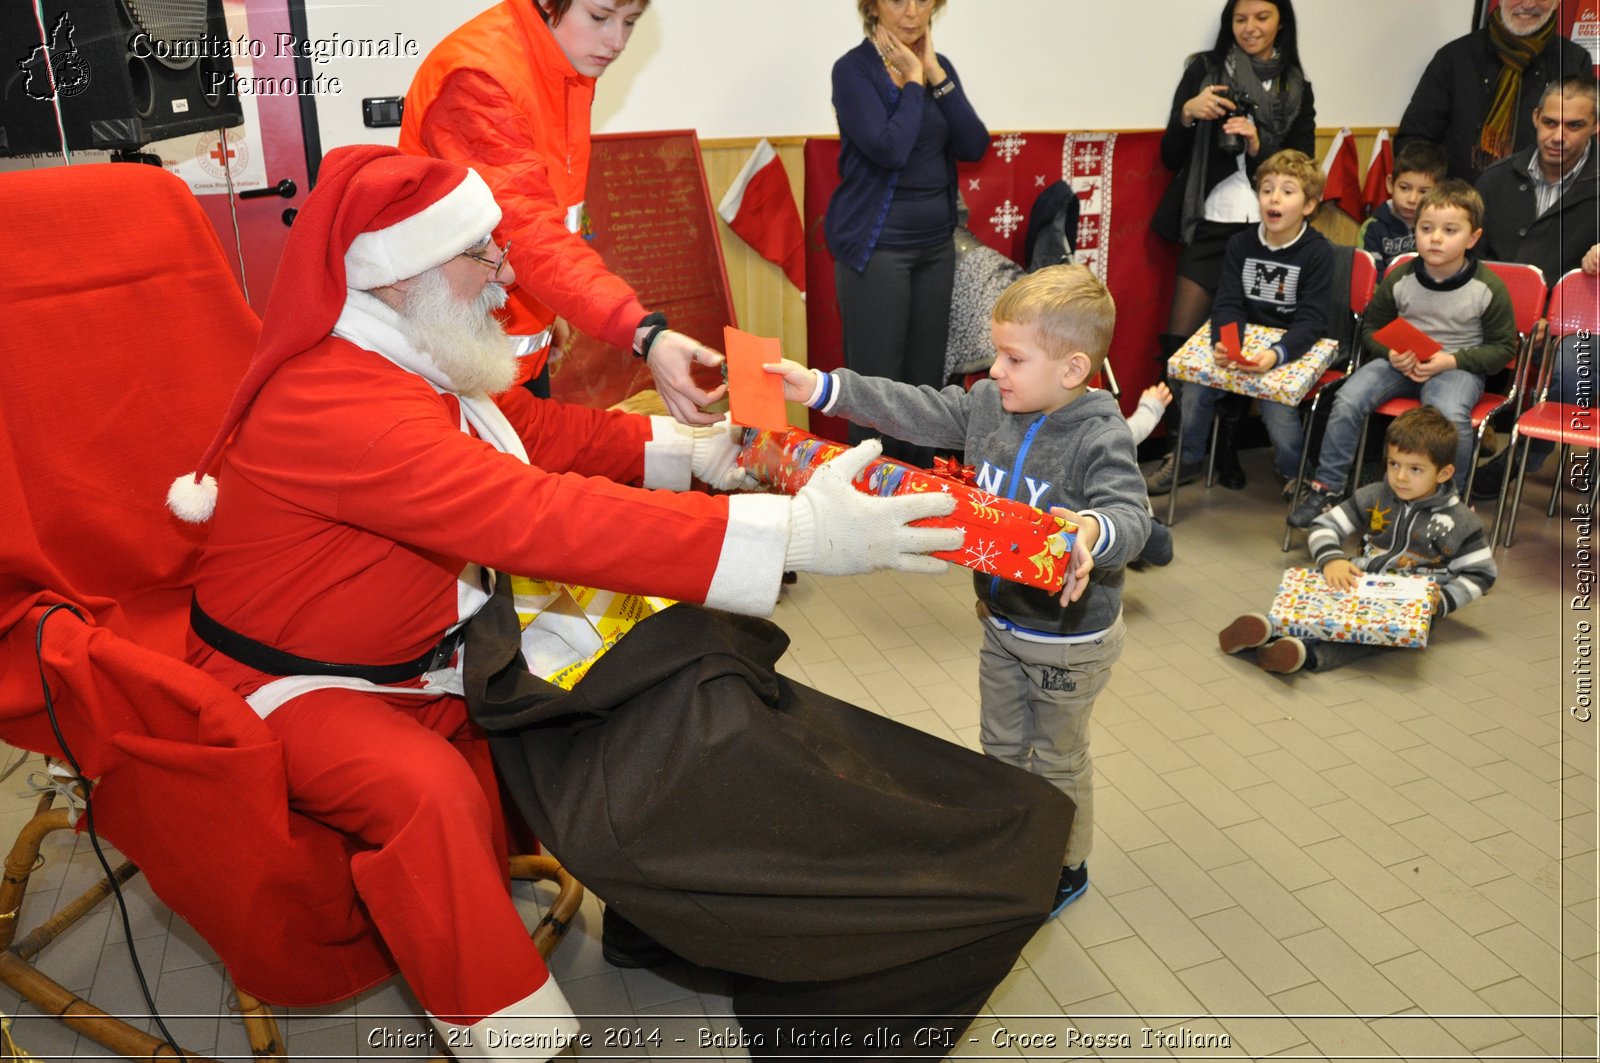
(1278, 275)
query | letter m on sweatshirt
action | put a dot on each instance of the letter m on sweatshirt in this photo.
(1271, 282)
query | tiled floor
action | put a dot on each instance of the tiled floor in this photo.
(1397, 861)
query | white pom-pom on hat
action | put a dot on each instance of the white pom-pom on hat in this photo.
(193, 501)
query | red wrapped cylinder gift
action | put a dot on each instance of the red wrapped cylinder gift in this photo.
(1004, 538)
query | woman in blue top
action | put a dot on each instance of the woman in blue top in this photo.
(903, 122)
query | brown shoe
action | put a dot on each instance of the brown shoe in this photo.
(1245, 633)
(1285, 656)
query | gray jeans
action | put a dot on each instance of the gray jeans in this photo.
(1036, 698)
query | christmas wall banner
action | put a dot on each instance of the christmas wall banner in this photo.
(1118, 178)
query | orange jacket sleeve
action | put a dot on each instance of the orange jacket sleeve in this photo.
(473, 122)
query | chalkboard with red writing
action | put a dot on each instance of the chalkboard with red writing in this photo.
(649, 215)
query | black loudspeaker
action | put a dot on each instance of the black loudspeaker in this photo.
(124, 72)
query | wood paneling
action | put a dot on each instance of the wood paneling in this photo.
(768, 305)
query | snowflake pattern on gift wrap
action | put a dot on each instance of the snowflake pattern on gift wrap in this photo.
(1007, 219)
(983, 556)
(985, 506)
(1010, 146)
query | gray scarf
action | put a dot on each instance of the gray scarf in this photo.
(1275, 112)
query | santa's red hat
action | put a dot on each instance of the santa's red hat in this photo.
(376, 216)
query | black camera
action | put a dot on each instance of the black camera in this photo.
(1244, 107)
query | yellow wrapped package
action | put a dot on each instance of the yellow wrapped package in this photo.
(566, 627)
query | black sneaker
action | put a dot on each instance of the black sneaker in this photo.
(1160, 481)
(1317, 500)
(1074, 884)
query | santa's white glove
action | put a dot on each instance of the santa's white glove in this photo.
(838, 531)
(715, 456)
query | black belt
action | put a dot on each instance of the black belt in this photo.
(264, 658)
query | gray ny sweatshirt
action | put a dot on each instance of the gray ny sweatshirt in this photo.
(1081, 457)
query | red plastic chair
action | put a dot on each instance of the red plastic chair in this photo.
(1574, 310)
(1526, 286)
(1363, 282)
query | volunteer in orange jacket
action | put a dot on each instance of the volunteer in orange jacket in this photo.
(509, 94)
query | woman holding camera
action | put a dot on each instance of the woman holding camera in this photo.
(1235, 105)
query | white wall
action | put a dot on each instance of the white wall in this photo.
(736, 68)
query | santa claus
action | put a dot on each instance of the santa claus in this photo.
(374, 474)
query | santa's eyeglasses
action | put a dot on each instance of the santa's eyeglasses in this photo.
(498, 264)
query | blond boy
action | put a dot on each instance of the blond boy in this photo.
(1036, 432)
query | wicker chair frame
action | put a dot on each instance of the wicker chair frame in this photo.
(18, 953)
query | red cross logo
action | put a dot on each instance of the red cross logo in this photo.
(222, 153)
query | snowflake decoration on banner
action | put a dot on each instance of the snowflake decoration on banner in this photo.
(1009, 146)
(983, 556)
(1089, 231)
(972, 183)
(1006, 219)
(1087, 162)
(1038, 180)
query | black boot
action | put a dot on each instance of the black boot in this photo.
(1229, 472)
(625, 945)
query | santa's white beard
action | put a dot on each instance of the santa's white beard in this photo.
(463, 338)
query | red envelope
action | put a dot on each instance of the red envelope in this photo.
(1402, 335)
(1229, 342)
(755, 396)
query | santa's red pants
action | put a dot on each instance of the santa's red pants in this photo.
(412, 778)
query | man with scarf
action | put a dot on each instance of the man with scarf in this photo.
(1477, 94)
(368, 491)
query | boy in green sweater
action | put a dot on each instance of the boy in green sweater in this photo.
(1458, 301)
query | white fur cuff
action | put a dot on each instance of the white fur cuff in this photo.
(750, 570)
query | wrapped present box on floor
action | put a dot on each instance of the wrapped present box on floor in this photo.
(1386, 610)
(1289, 383)
(1004, 538)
